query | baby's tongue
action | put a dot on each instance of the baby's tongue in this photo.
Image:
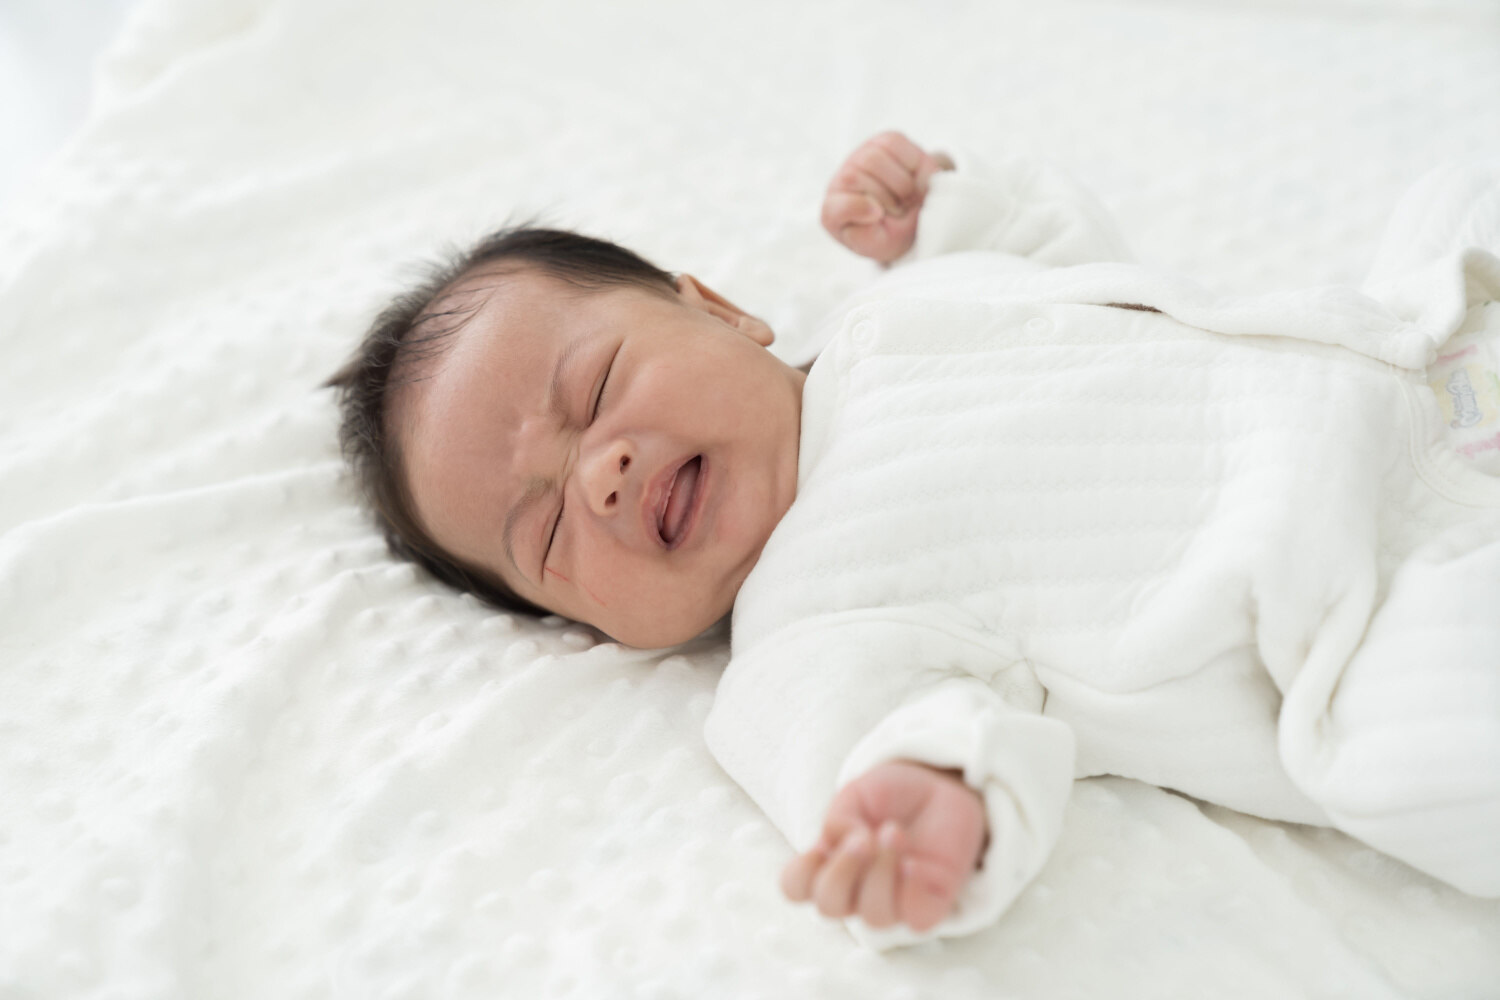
(681, 500)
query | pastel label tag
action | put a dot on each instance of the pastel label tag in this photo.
(1470, 397)
(1466, 380)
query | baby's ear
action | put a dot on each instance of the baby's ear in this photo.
(699, 295)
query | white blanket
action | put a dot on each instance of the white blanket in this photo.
(246, 754)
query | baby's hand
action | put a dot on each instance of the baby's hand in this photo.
(874, 199)
(898, 844)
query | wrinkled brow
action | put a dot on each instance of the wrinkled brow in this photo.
(541, 486)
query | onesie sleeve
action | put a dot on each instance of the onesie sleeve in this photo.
(1019, 206)
(801, 715)
(1020, 762)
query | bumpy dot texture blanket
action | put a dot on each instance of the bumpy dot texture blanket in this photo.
(247, 754)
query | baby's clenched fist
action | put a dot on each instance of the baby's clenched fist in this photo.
(875, 198)
(898, 844)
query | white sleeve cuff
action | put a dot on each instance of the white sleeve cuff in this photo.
(1021, 762)
(1018, 206)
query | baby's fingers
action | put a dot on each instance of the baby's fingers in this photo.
(836, 882)
(902, 149)
(926, 893)
(884, 241)
(797, 877)
(879, 173)
(877, 893)
(849, 208)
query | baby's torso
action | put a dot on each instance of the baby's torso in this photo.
(1155, 520)
(1100, 486)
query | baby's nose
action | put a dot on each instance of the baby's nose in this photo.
(603, 472)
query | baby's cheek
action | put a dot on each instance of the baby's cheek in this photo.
(612, 598)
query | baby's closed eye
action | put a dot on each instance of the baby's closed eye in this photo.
(603, 385)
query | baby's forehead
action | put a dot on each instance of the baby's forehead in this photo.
(485, 286)
(524, 300)
(504, 325)
(498, 327)
(469, 309)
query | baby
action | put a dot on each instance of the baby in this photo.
(1034, 514)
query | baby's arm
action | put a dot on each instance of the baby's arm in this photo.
(808, 712)
(897, 846)
(1016, 205)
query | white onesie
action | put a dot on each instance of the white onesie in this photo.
(1061, 516)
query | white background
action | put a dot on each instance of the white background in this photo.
(47, 53)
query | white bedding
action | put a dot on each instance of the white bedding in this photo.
(244, 753)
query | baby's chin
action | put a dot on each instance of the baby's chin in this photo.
(655, 638)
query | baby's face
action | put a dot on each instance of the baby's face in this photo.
(618, 457)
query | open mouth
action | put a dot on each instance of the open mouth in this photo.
(677, 506)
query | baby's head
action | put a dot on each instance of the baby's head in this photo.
(556, 425)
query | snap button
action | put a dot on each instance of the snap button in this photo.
(1038, 324)
(863, 333)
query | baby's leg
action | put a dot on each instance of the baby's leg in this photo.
(1406, 756)
(1401, 743)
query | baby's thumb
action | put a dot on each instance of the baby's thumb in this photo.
(853, 208)
(927, 892)
(932, 163)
